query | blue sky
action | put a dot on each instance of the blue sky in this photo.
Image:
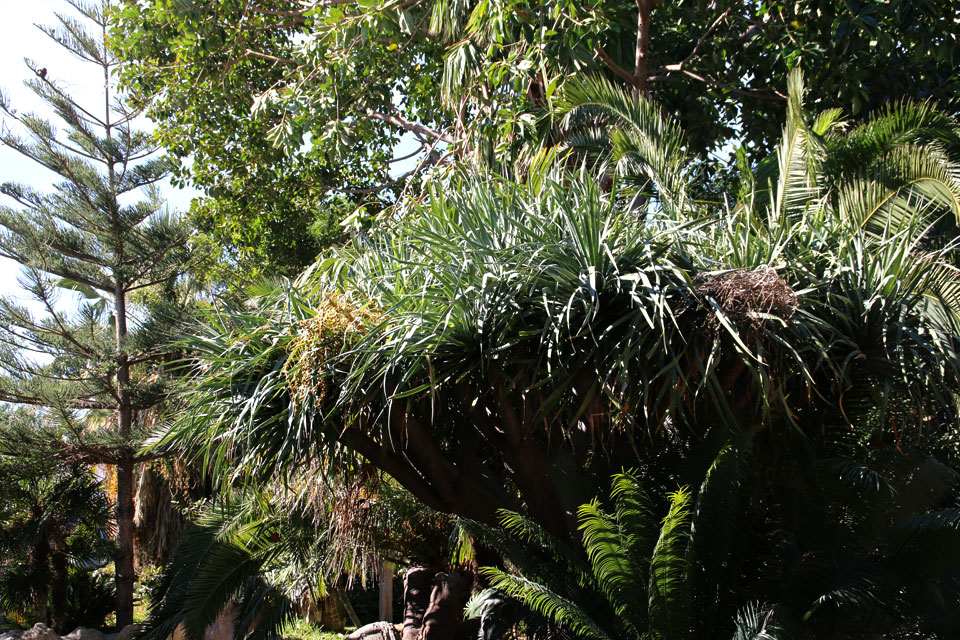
(20, 39)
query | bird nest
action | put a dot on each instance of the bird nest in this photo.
(749, 298)
(319, 342)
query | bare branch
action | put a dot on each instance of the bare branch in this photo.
(696, 48)
(415, 127)
(773, 94)
(613, 66)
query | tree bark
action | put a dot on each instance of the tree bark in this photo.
(450, 593)
(58, 593)
(39, 566)
(124, 556)
(123, 560)
(641, 61)
(417, 585)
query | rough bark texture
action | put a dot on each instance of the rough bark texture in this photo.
(40, 590)
(58, 593)
(449, 595)
(417, 585)
(643, 45)
(124, 555)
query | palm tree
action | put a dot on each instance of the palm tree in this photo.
(48, 524)
(501, 345)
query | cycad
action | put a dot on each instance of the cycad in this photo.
(645, 577)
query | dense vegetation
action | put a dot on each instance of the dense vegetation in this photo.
(654, 335)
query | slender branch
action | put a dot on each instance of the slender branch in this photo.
(267, 56)
(613, 66)
(289, 13)
(774, 95)
(696, 48)
(403, 123)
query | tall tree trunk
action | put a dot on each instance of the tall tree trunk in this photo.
(124, 557)
(125, 482)
(40, 571)
(58, 593)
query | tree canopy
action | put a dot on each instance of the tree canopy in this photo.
(273, 108)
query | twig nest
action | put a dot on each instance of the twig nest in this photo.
(749, 298)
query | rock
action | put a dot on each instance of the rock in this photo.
(39, 631)
(83, 633)
(124, 634)
(13, 634)
(375, 631)
(450, 593)
(219, 629)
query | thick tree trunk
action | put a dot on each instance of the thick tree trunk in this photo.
(417, 585)
(449, 595)
(40, 604)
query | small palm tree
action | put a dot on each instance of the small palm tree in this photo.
(48, 524)
(264, 553)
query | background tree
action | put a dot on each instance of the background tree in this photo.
(51, 527)
(91, 372)
(335, 85)
(274, 552)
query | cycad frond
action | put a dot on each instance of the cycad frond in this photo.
(669, 588)
(616, 570)
(559, 609)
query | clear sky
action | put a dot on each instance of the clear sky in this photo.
(20, 39)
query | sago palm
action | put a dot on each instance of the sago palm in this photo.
(648, 573)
